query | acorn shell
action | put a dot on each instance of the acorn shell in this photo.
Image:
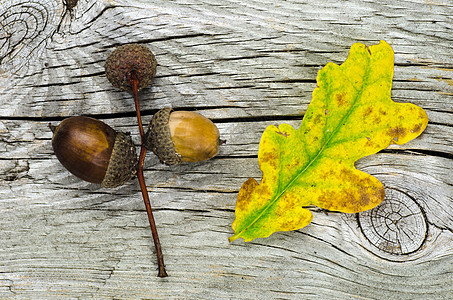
(181, 136)
(127, 59)
(94, 152)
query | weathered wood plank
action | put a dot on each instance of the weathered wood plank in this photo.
(245, 64)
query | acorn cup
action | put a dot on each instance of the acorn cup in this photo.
(182, 136)
(127, 61)
(94, 152)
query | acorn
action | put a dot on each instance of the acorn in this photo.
(128, 60)
(181, 136)
(94, 152)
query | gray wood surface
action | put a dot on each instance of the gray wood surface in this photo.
(245, 64)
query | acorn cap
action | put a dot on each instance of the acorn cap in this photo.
(123, 162)
(158, 138)
(127, 59)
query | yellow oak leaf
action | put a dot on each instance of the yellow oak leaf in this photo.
(350, 116)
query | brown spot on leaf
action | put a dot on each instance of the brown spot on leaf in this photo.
(341, 99)
(285, 204)
(397, 132)
(367, 112)
(326, 199)
(294, 163)
(269, 158)
(317, 118)
(362, 195)
(349, 175)
(369, 197)
(382, 112)
(365, 197)
(380, 192)
(417, 128)
(244, 194)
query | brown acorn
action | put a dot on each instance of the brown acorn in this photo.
(127, 60)
(181, 136)
(94, 152)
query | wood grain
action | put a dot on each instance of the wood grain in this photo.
(245, 64)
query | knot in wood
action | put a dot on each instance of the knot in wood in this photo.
(398, 226)
(25, 26)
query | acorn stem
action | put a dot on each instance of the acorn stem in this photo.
(141, 180)
(134, 83)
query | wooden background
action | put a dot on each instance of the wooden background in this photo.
(246, 64)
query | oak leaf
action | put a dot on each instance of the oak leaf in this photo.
(351, 115)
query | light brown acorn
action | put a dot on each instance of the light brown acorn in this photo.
(182, 136)
(94, 152)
